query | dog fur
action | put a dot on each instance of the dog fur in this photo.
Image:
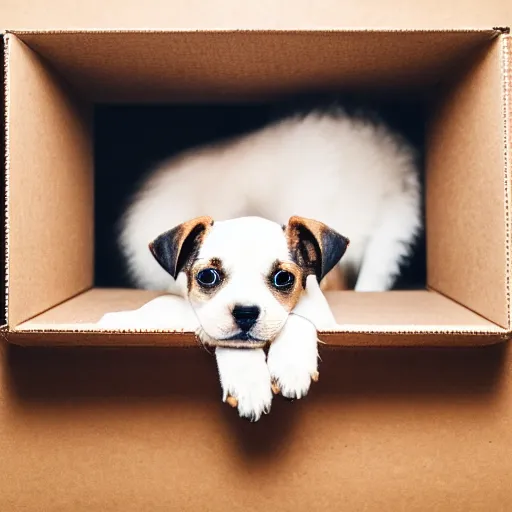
(351, 173)
(246, 255)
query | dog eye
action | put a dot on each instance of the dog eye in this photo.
(283, 279)
(208, 278)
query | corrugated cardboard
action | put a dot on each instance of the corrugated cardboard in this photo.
(242, 65)
(468, 217)
(143, 429)
(53, 78)
(50, 177)
(262, 14)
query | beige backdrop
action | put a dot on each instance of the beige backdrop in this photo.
(143, 430)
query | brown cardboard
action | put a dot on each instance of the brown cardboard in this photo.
(263, 14)
(49, 71)
(468, 210)
(143, 429)
(50, 193)
(138, 429)
(402, 319)
(245, 65)
(3, 161)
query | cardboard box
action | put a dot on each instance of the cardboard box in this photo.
(53, 79)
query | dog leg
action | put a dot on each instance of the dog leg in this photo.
(245, 381)
(389, 245)
(164, 312)
(293, 358)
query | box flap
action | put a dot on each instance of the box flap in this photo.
(4, 163)
(408, 318)
(160, 66)
(507, 118)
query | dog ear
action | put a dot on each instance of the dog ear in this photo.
(314, 246)
(177, 247)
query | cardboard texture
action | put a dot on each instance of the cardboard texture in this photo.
(54, 78)
(363, 325)
(3, 160)
(238, 65)
(50, 192)
(263, 14)
(144, 429)
(467, 259)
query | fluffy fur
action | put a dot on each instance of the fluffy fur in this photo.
(352, 174)
(247, 252)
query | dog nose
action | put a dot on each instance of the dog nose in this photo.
(246, 316)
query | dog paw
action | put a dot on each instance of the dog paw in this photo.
(118, 320)
(245, 381)
(293, 358)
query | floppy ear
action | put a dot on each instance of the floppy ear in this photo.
(177, 247)
(314, 246)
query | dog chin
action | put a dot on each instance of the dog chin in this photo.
(238, 340)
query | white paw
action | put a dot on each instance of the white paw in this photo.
(245, 381)
(164, 312)
(293, 358)
(118, 320)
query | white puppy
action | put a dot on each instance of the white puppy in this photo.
(242, 279)
(350, 173)
(353, 175)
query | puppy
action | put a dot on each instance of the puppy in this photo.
(351, 173)
(243, 278)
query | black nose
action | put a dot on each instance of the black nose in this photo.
(246, 316)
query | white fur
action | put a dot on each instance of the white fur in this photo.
(164, 312)
(353, 175)
(248, 247)
(314, 306)
(293, 357)
(244, 375)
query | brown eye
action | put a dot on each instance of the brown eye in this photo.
(208, 278)
(283, 279)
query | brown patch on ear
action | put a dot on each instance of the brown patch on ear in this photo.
(177, 248)
(314, 246)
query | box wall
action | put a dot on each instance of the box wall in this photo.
(104, 60)
(131, 430)
(210, 66)
(401, 430)
(467, 210)
(50, 154)
(3, 161)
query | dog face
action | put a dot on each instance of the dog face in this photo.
(244, 276)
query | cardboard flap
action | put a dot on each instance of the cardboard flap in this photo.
(4, 163)
(160, 66)
(507, 116)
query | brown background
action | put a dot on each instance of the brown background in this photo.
(143, 429)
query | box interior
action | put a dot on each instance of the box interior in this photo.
(130, 139)
(53, 81)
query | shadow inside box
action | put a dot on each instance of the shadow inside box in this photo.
(143, 380)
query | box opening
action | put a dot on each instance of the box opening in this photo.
(56, 80)
(130, 139)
